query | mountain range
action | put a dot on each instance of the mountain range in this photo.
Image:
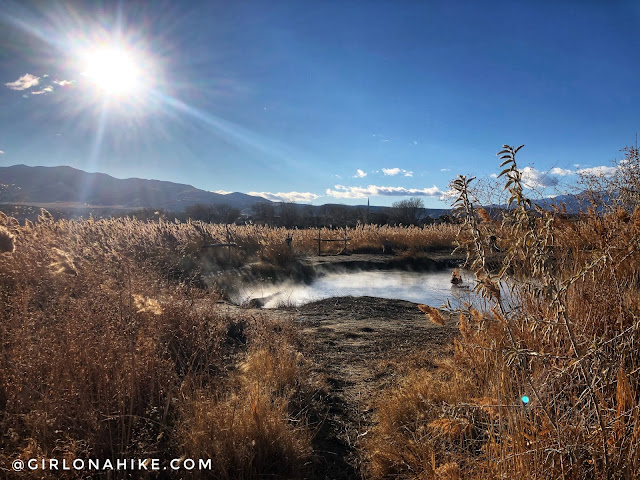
(72, 187)
(76, 190)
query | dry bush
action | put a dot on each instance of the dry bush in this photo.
(6, 241)
(252, 430)
(565, 336)
(104, 341)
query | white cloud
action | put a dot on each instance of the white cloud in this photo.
(63, 83)
(415, 142)
(220, 192)
(445, 169)
(1, 152)
(396, 171)
(286, 196)
(47, 89)
(24, 82)
(342, 191)
(532, 178)
(600, 171)
(360, 174)
(562, 172)
(449, 195)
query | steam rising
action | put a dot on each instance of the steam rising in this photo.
(433, 288)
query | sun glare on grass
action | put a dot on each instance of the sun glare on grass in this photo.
(113, 70)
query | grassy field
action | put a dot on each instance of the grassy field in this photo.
(113, 345)
(110, 348)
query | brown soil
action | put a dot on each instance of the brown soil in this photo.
(360, 345)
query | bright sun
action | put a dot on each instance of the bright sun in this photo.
(113, 70)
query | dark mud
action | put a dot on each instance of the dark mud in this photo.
(360, 346)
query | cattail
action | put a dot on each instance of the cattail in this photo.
(636, 217)
(463, 325)
(498, 316)
(7, 244)
(433, 313)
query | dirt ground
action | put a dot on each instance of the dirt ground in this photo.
(360, 346)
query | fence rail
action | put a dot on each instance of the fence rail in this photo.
(345, 240)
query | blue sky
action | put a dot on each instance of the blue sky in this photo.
(323, 101)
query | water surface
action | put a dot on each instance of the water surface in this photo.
(431, 288)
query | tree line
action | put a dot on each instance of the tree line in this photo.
(290, 215)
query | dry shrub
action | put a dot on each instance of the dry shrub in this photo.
(433, 314)
(251, 431)
(7, 244)
(275, 369)
(418, 427)
(544, 383)
(246, 434)
(105, 340)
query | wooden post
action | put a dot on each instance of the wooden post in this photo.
(345, 240)
(319, 241)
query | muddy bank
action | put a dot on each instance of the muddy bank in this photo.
(360, 346)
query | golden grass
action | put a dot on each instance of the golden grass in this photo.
(566, 338)
(249, 431)
(6, 241)
(433, 314)
(110, 348)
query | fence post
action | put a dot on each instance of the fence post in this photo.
(345, 240)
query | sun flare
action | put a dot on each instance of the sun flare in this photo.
(113, 70)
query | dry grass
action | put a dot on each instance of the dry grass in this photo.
(566, 337)
(111, 348)
(249, 431)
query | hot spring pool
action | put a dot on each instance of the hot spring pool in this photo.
(431, 288)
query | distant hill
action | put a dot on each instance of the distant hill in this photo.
(571, 203)
(70, 188)
(67, 185)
